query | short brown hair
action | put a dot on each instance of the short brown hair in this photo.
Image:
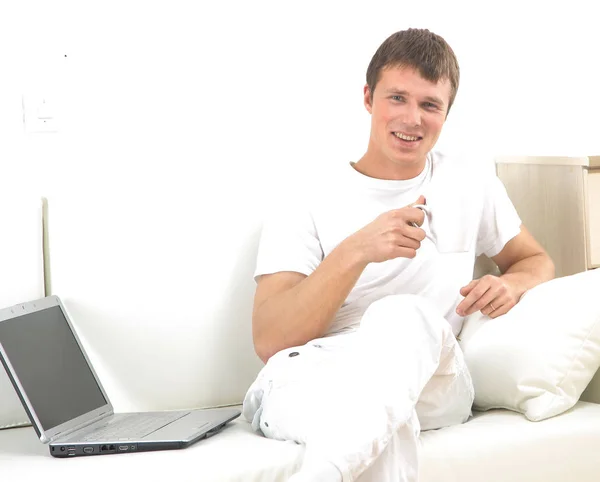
(420, 49)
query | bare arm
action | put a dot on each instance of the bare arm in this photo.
(291, 309)
(523, 263)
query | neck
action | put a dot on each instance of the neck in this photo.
(375, 164)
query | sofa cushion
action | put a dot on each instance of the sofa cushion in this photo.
(539, 357)
(502, 445)
(494, 446)
(21, 277)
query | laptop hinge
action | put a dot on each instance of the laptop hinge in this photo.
(80, 426)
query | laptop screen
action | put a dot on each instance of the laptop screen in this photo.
(50, 366)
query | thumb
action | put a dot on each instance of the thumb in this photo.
(420, 200)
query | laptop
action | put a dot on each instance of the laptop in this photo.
(65, 400)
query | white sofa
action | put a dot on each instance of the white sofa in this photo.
(154, 350)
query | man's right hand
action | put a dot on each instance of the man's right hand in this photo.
(291, 308)
(391, 235)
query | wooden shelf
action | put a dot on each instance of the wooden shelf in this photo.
(558, 200)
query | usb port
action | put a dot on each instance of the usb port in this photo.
(70, 450)
(123, 448)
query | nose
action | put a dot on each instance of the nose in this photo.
(411, 115)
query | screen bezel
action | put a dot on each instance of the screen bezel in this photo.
(51, 433)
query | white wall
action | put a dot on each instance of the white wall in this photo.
(180, 121)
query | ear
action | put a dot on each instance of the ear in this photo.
(367, 99)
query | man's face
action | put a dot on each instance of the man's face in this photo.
(407, 115)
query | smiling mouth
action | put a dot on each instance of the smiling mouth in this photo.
(406, 137)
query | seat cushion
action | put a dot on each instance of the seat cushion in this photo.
(494, 446)
(501, 445)
(236, 454)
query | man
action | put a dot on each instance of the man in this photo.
(363, 288)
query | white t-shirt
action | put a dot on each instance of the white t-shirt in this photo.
(469, 213)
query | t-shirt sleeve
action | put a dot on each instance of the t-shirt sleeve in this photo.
(500, 221)
(289, 242)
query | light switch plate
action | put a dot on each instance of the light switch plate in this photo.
(39, 114)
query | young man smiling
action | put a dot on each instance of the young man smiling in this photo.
(362, 289)
(407, 115)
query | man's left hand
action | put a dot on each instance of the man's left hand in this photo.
(492, 295)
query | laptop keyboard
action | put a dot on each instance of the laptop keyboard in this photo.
(132, 427)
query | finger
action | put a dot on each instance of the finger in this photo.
(415, 233)
(497, 312)
(492, 307)
(407, 215)
(414, 216)
(500, 311)
(403, 252)
(466, 307)
(407, 242)
(420, 201)
(485, 302)
(465, 290)
(501, 305)
(494, 303)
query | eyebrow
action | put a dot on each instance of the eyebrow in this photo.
(429, 98)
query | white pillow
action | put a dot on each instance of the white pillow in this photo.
(21, 278)
(538, 358)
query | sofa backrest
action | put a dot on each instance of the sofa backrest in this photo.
(21, 277)
(164, 327)
(161, 301)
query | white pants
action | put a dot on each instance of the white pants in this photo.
(358, 401)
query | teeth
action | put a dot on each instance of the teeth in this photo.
(404, 137)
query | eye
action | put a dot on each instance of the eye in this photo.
(397, 98)
(430, 106)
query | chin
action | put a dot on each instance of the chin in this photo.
(408, 160)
